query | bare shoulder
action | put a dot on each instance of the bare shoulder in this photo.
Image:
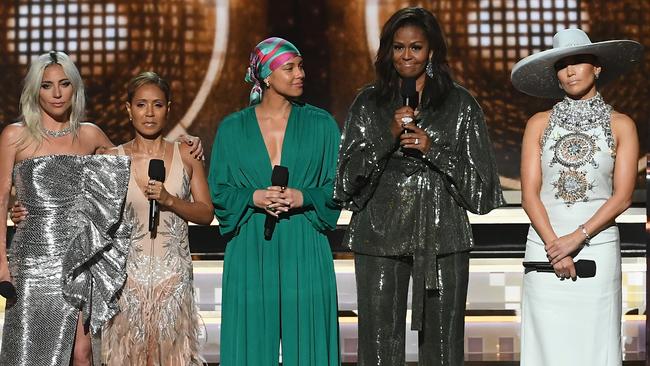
(11, 133)
(622, 121)
(110, 151)
(538, 122)
(90, 129)
(623, 128)
(186, 154)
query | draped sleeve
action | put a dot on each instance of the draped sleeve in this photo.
(365, 150)
(321, 209)
(233, 202)
(94, 265)
(468, 163)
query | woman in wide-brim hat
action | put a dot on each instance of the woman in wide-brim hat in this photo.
(578, 169)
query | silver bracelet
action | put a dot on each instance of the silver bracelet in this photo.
(586, 234)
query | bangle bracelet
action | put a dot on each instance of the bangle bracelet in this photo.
(584, 232)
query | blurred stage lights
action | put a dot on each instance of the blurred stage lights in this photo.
(66, 27)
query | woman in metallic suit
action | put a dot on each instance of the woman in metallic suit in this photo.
(67, 257)
(409, 206)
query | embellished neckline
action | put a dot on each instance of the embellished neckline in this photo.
(580, 115)
(581, 104)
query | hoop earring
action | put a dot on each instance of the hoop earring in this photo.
(429, 69)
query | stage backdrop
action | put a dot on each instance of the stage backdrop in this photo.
(202, 47)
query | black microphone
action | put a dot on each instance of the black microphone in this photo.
(411, 98)
(156, 172)
(7, 290)
(280, 178)
(585, 268)
(409, 93)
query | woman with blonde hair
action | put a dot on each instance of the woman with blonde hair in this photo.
(67, 256)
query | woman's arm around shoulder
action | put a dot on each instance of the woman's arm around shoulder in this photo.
(8, 139)
(200, 210)
(94, 137)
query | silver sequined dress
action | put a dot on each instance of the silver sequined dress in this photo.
(567, 323)
(68, 254)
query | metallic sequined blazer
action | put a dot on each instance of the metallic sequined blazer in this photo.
(405, 205)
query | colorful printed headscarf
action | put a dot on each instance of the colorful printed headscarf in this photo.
(267, 56)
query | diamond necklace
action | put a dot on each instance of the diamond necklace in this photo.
(59, 133)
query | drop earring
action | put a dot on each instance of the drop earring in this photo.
(429, 69)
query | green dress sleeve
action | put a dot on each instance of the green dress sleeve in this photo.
(233, 203)
(320, 207)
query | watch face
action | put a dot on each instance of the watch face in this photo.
(486, 38)
(111, 41)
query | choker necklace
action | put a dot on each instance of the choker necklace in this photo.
(59, 133)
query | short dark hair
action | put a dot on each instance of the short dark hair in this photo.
(148, 77)
(387, 79)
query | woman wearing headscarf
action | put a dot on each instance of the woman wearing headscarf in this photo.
(279, 290)
(578, 168)
(409, 186)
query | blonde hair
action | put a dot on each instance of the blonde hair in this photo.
(30, 108)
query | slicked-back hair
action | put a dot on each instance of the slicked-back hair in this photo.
(148, 77)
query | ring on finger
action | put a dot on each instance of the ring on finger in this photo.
(417, 141)
(407, 119)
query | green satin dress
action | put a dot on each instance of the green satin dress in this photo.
(282, 290)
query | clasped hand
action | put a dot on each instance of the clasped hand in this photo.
(415, 137)
(276, 200)
(560, 253)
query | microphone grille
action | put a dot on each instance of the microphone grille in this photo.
(157, 170)
(585, 268)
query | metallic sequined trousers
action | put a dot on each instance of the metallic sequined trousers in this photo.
(382, 290)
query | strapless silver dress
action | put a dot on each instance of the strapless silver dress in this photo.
(68, 256)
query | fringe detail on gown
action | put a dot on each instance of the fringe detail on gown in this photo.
(158, 326)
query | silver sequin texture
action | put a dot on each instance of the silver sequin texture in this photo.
(68, 255)
(416, 206)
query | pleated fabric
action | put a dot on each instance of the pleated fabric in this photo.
(281, 291)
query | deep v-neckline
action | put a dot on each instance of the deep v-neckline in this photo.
(269, 162)
(134, 175)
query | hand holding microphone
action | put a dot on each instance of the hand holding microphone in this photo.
(413, 139)
(157, 174)
(584, 268)
(279, 179)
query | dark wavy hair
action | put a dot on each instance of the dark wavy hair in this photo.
(387, 79)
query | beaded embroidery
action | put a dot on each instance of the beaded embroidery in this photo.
(577, 148)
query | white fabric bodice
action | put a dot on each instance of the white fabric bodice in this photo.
(577, 158)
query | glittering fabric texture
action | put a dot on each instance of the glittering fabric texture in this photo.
(575, 126)
(408, 206)
(382, 287)
(67, 256)
(159, 322)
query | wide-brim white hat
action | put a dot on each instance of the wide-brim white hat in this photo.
(536, 75)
